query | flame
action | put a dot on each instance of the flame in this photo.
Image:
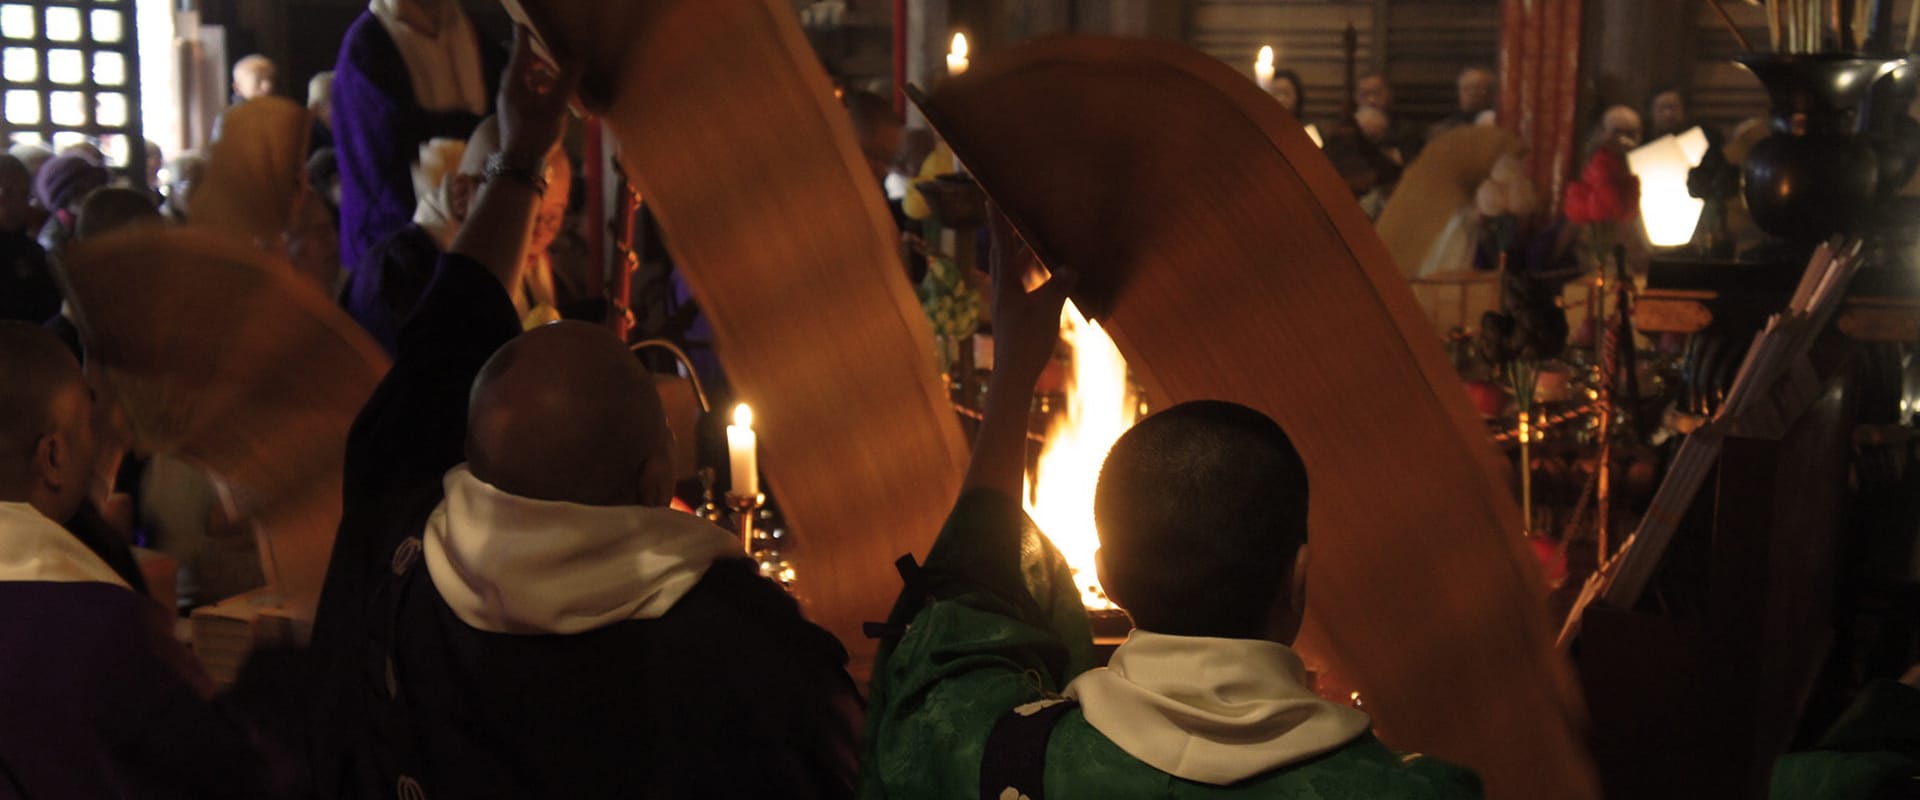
(743, 416)
(1265, 59)
(959, 47)
(1099, 407)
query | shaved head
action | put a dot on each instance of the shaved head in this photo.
(565, 412)
(46, 431)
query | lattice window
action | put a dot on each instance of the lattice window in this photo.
(69, 73)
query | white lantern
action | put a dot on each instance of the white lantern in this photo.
(1669, 213)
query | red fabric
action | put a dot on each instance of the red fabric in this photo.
(1539, 81)
(1605, 192)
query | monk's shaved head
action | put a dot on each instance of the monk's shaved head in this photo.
(42, 393)
(564, 412)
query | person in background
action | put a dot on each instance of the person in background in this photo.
(1292, 96)
(27, 289)
(1475, 95)
(66, 180)
(1620, 128)
(109, 705)
(1667, 112)
(323, 175)
(989, 690)
(33, 155)
(255, 188)
(151, 180)
(409, 71)
(1375, 92)
(383, 292)
(883, 137)
(320, 105)
(506, 517)
(182, 174)
(253, 77)
(106, 521)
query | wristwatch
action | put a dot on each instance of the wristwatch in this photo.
(532, 172)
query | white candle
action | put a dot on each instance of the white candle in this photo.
(1263, 67)
(742, 447)
(957, 56)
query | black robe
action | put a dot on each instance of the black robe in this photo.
(732, 693)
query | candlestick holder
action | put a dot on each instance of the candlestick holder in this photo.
(709, 510)
(745, 509)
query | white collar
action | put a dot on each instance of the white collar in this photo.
(511, 564)
(1215, 711)
(445, 68)
(34, 548)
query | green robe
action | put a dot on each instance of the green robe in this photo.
(1003, 627)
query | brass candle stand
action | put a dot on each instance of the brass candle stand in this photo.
(745, 509)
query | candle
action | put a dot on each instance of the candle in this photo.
(957, 56)
(1263, 67)
(742, 446)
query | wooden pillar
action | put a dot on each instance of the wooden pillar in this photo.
(1630, 48)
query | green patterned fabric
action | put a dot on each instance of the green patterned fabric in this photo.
(1871, 752)
(1002, 625)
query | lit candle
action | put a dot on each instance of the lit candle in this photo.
(957, 56)
(1263, 67)
(742, 447)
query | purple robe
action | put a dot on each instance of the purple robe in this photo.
(97, 700)
(378, 128)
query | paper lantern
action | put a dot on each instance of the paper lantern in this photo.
(1669, 213)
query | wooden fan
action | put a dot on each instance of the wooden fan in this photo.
(729, 127)
(226, 358)
(1228, 261)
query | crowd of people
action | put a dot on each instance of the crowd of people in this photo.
(511, 608)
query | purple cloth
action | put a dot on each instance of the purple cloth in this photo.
(384, 291)
(67, 179)
(378, 128)
(97, 700)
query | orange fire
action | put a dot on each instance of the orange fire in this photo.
(1100, 405)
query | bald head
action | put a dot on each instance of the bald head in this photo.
(564, 412)
(46, 433)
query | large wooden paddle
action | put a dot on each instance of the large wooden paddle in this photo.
(1228, 260)
(729, 127)
(225, 357)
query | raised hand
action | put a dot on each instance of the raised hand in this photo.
(534, 97)
(1026, 327)
(1026, 324)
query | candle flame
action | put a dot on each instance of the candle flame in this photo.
(743, 416)
(1266, 56)
(1099, 407)
(959, 47)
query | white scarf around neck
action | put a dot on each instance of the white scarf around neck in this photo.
(510, 564)
(1214, 711)
(445, 68)
(35, 548)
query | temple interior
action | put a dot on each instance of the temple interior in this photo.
(960, 398)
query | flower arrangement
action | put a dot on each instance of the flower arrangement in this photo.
(952, 303)
(1606, 195)
(1504, 200)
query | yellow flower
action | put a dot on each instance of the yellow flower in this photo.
(938, 163)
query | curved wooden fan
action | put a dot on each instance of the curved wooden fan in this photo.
(1228, 260)
(226, 358)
